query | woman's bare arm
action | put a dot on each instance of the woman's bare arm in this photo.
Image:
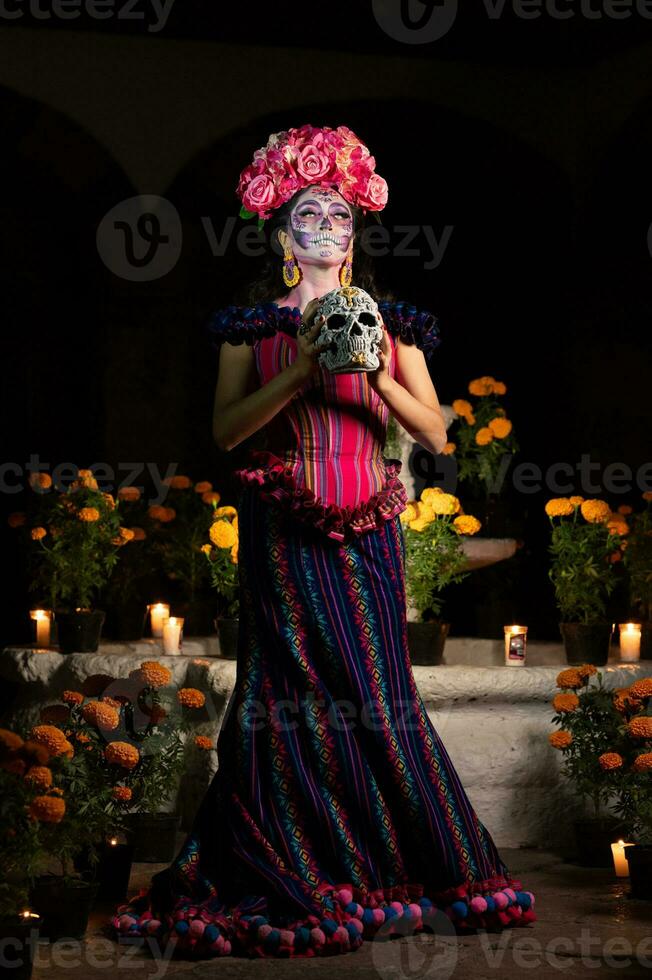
(412, 399)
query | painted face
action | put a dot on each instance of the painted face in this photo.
(321, 224)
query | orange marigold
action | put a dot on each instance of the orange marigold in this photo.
(53, 738)
(39, 777)
(178, 482)
(122, 754)
(559, 507)
(586, 670)
(484, 436)
(576, 501)
(72, 697)
(39, 754)
(110, 501)
(40, 481)
(203, 486)
(152, 674)
(482, 386)
(202, 742)
(500, 388)
(47, 809)
(211, 497)
(167, 514)
(640, 727)
(610, 760)
(570, 677)
(129, 493)
(101, 715)
(595, 511)
(641, 689)
(17, 518)
(122, 793)
(462, 407)
(89, 514)
(38, 533)
(467, 524)
(139, 533)
(449, 449)
(10, 740)
(83, 738)
(105, 699)
(500, 427)
(190, 697)
(560, 740)
(565, 702)
(643, 762)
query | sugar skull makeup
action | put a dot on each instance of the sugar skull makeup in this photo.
(321, 224)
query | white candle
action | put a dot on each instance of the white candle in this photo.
(158, 613)
(172, 627)
(630, 641)
(515, 642)
(42, 618)
(621, 867)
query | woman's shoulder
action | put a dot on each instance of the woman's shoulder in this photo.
(412, 325)
(237, 324)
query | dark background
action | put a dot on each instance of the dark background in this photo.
(531, 138)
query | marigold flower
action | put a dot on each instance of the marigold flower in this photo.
(560, 740)
(72, 697)
(83, 738)
(419, 524)
(190, 697)
(484, 436)
(40, 481)
(152, 674)
(576, 501)
(129, 493)
(625, 509)
(37, 533)
(642, 688)
(121, 793)
(101, 715)
(167, 514)
(10, 740)
(223, 534)
(595, 511)
(85, 479)
(202, 742)
(569, 678)
(500, 388)
(207, 548)
(47, 809)
(39, 754)
(643, 762)
(225, 511)
(565, 702)
(53, 738)
(39, 777)
(610, 760)
(14, 765)
(467, 524)
(122, 754)
(125, 534)
(89, 514)
(482, 386)
(559, 507)
(409, 514)
(54, 714)
(203, 487)
(444, 503)
(470, 419)
(154, 511)
(586, 670)
(501, 427)
(110, 502)
(615, 556)
(640, 727)
(17, 518)
(449, 449)
(179, 482)
(462, 407)
(138, 534)
(211, 497)
(234, 554)
(107, 699)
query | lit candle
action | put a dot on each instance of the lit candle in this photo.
(113, 841)
(42, 617)
(621, 867)
(515, 641)
(158, 612)
(172, 628)
(30, 915)
(630, 641)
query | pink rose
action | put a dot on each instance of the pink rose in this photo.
(312, 164)
(259, 194)
(375, 196)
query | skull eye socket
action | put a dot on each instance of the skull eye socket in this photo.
(336, 321)
(368, 319)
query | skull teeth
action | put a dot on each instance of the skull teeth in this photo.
(325, 240)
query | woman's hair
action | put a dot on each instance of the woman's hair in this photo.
(269, 285)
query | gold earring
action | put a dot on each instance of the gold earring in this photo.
(292, 274)
(346, 272)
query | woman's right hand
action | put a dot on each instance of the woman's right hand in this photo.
(308, 346)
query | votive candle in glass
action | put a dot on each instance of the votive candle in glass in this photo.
(621, 867)
(158, 613)
(515, 643)
(630, 641)
(42, 618)
(172, 631)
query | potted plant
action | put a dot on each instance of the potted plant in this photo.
(585, 547)
(179, 530)
(589, 725)
(78, 535)
(482, 439)
(637, 560)
(222, 555)
(434, 559)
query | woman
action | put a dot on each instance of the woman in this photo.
(335, 814)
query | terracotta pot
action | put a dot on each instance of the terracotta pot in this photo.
(79, 632)
(426, 641)
(18, 940)
(639, 859)
(586, 643)
(64, 908)
(227, 632)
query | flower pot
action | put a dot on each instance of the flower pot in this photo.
(18, 939)
(197, 616)
(586, 643)
(126, 621)
(646, 641)
(64, 908)
(426, 641)
(594, 837)
(112, 871)
(227, 633)
(639, 859)
(79, 632)
(153, 835)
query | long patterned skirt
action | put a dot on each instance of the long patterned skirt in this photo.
(335, 814)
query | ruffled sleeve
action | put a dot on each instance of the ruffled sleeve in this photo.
(413, 326)
(246, 324)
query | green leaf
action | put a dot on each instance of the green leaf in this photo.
(246, 214)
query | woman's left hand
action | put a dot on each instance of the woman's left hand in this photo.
(379, 378)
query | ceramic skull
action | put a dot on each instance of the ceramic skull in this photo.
(352, 331)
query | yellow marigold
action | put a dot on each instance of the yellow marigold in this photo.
(625, 509)
(643, 762)
(39, 777)
(207, 548)
(642, 688)
(47, 809)
(234, 554)
(640, 727)
(559, 507)
(576, 501)
(17, 518)
(462, 407)
(484, 436)
(409, 514)
(222, 534)
(89, 514)
(203, 487)
(467, 524)
(152, 673)
(129, 493)
(37, 533)
(569, 678)
(40, 481)
(225, 511)
(500, 427)
(610, 760)
(482, 386)
(121, 793)
(419, 524)
(180, 482)
(10, 740)
(595, 511)
(202, 742)
(211, 497)
(500, 388)
(190, 697)
(101, 715)
(110, 501)
(586, 670)
(72, 697)
(449, 449)
(565, 702)
(444, 503)
(122, 754)
(560, 740)
(139, 534)
(54, 714)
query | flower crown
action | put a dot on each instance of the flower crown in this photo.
(298, 158)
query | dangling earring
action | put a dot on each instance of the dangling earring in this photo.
(346, 270)
(292, 274)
